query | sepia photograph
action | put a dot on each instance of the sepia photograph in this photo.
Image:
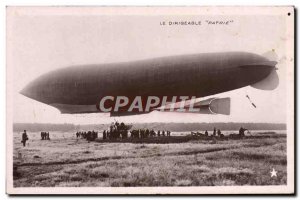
(150, 100)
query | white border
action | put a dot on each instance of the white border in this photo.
(175, 190)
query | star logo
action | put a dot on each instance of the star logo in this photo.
(273, 173)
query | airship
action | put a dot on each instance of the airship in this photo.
(163, 83)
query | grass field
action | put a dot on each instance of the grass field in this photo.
(73, 162)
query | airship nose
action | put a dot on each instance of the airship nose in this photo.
(28, 91)
(41, 89)
(34, 90)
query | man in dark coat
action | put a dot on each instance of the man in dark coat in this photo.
(24, 138)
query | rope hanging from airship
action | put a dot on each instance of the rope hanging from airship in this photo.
(250, 101)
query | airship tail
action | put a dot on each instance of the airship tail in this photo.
(269, 83)
(272, 80)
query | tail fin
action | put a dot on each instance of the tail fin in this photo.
(269, 83)
(272, 81)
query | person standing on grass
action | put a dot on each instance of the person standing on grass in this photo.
(24, 138)
(242, 132)
(219, 132)
(104, 135)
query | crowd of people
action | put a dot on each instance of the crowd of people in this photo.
(120, 130)
(116, 130)
(89, 135)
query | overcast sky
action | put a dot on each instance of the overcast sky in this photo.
(39, 43)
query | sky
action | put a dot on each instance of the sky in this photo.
(39, 42)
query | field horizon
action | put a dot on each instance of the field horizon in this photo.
(156, 125)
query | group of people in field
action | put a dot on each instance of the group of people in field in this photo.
(121, 131)
(116, 130)
(145, 133)
(89, 135)
(136, 133)
(218, 133)
(45, 135)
